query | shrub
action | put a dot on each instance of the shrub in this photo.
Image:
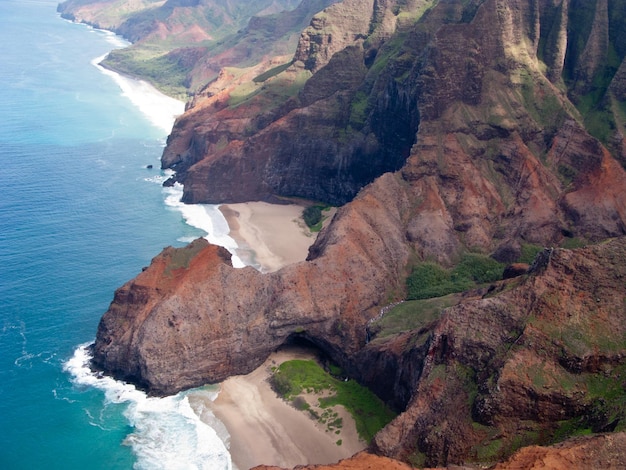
(281, 384)
(428, 280)
(480, 269)
(312, 215)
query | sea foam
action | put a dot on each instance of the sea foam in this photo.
(160, 109)
(167, 433)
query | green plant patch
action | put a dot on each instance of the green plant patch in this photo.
(411, 315)
(529, 252)
(428, 280)
(271, 72)
(573, 243)
(314, 217)
(181, 257)
(369, 412)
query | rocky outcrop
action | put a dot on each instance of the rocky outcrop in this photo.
(530, 360)
(494, 151)
(190, 318)
(250, 130)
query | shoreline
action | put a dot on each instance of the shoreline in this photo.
(266, 430)
(257, 426)
(161, 110)
(268, 236)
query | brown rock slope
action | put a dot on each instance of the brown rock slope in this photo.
(190, 318)
(533, 359)
(490, 108)
(603, 452)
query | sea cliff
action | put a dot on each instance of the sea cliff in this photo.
(443, 129)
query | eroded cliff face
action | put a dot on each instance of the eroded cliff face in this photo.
(288, 131)
(532, 359)
(190, 318)
(480, 110)
(474, 102)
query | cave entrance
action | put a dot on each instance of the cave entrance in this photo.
(300, 346)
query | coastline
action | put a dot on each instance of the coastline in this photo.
(256, 425)
(268, 236)
(264, 429)
(160, 109)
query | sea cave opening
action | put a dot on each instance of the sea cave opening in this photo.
(300, 344)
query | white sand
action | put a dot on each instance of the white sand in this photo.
(269, 236)
(264, 429)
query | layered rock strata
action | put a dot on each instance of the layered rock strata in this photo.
(475, 102)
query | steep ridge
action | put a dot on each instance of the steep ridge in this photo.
(250, 133)
(400, 83)
(476, 107)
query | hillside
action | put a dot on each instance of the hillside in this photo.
(455, 135)
(180, 45)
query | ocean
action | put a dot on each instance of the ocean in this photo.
(80, 214)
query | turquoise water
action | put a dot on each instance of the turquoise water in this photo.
(80, 214)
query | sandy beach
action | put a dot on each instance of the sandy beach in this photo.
(264, 429)
(269, 236)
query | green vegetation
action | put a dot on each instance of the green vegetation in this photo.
(529, 252)
(358, 112)
(428, 280)
(541, 103)
(269, 93)
(573, 243)
(181, 257)
(306, 376)
(412, 315)
(314, 217)
(271, 73)
(606, 400)
(165, 71)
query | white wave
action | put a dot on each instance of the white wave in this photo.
(206, 217)
(167, 433)
(158, 179)
(116, 41)
(161, 110)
